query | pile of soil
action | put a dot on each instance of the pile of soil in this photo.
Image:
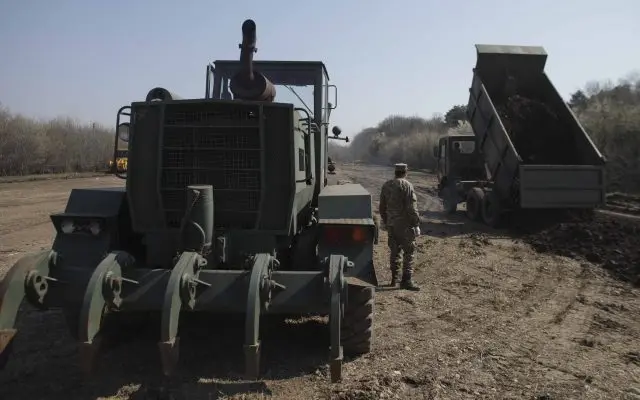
(624, 203)
(536, 131)
(611, 243)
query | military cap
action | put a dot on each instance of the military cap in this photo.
(400, 167)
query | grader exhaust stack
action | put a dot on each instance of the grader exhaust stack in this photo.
(222, 213)
(249, 84)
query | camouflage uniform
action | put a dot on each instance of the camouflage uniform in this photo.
(399, 213)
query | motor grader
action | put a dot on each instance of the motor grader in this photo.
(226, 209)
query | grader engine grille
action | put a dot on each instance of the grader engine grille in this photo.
(217, 144)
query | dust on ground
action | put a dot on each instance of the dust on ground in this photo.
(495, 319)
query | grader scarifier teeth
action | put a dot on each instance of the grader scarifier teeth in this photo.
(28, 278)
(101, 294)
(103, 290)
(181, 295)
(336, 313)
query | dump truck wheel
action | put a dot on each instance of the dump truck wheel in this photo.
(357, 326)
(474, 203)
(491, 209)
(448, 201)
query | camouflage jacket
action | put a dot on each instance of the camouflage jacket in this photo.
(399, 204)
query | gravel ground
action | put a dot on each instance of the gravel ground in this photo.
(500, 315)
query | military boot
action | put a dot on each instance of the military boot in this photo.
(394, 280)
(409, 284)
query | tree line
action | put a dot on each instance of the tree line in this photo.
(29, 146)
(610, 113)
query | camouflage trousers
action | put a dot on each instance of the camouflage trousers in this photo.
(402, 246)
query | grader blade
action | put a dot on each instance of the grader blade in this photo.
(28, 278)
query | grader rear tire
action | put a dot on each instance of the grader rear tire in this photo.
(357, 326)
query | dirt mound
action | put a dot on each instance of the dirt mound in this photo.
(612, 243)
(536, 131)
(625, 203)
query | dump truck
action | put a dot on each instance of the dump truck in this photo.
(528, 151)
(225, 210)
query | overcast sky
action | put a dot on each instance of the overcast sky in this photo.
(86, 58)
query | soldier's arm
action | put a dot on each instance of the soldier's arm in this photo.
(412, 206)
(382, 206)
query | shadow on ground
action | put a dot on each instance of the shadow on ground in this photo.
(44, 364)
(442, 225)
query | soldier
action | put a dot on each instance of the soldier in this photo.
(399, 213)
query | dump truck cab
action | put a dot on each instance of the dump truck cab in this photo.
(458, 159)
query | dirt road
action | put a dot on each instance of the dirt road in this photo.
(495, 319)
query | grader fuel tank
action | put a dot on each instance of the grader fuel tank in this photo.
(225, 210)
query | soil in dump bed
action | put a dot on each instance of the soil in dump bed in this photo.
(537, 133)
(609, 242)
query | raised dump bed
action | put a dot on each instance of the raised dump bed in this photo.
(536, 152)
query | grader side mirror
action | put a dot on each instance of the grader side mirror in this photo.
(123, 132)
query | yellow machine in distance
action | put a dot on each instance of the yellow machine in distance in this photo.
(121, 162)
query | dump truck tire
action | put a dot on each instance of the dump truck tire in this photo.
(474, 203)
(490, 209)
(357, 327)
